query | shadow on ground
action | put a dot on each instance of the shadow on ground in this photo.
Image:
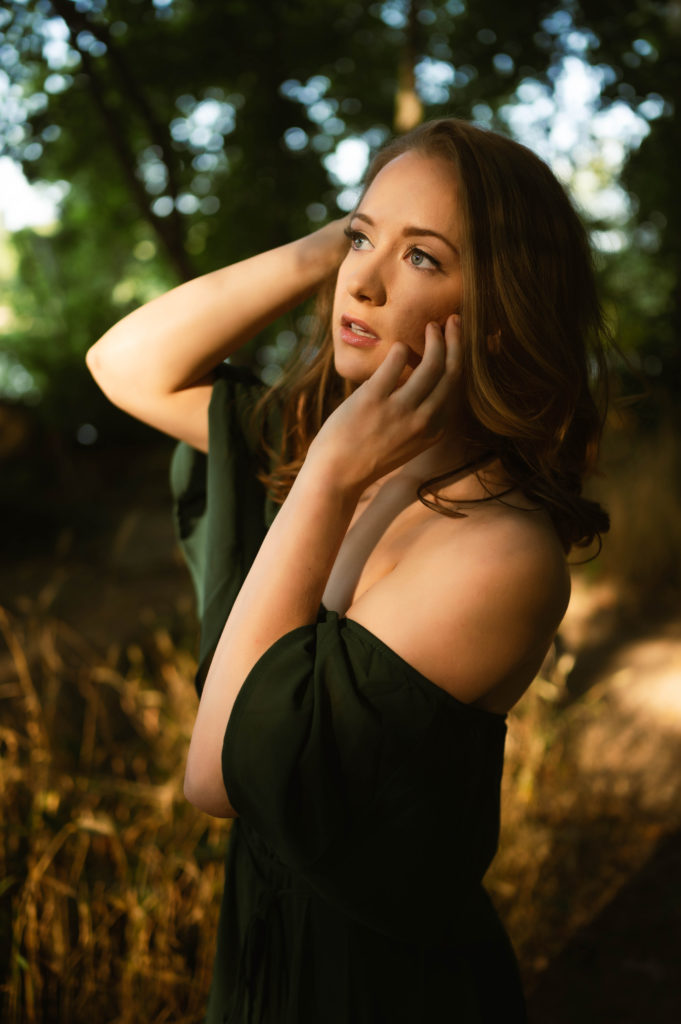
(624, 966)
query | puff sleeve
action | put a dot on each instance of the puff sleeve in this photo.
(222, 512)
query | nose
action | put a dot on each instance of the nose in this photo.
(366, 282)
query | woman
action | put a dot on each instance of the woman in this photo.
(360, 651)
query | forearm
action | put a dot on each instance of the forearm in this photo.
(382, 425)
(176, 339)
(283, 590)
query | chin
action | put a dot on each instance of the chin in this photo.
(354, 366)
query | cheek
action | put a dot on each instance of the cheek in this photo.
(417, 315)
(336, 297)
(341, 291)
(343, 275)
(413, 327)
(424, 304)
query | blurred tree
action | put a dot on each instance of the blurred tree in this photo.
(639, 50)
(190, 135)
(193, 134)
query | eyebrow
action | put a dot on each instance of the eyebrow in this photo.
(409, 231)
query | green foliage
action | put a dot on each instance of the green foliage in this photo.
(640, 48)
(194, 134)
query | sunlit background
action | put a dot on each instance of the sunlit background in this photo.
(143, 143)
(558, 109)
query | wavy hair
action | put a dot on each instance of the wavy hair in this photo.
(533, 333)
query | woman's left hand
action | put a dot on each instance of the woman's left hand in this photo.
(384, 424)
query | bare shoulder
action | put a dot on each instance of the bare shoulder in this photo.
(474, 603)
(516, 550)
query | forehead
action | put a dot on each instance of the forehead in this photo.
(415, 189)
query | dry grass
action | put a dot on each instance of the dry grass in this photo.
(110, 880)
(642, 490)
(572, 834)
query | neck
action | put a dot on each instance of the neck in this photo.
(448, 453)
(455, 460)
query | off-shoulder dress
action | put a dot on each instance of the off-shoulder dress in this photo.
(367, 797)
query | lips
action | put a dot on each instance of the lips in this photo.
(357, 332)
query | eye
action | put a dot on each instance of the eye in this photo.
(419, 258)
(357, 238)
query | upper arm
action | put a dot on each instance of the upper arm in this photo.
(182, 414)
(473, 619)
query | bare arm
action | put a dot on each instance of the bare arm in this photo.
(474, 618)
(157, 363)
(284, 588)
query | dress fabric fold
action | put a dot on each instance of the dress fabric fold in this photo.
(368, 797)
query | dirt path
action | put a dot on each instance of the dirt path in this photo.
(622, 965)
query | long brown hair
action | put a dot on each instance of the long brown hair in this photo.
(533, 333)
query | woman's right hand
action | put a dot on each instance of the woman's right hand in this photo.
(157, 363)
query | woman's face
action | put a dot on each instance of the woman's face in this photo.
(403, 268)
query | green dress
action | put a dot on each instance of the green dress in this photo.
(368, 797)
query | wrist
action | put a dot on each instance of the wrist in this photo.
(322, 252)
(337, 479)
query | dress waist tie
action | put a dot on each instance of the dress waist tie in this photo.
(262, 975)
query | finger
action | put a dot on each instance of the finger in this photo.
(429, 371)
(442, 392)
(452, 334)
(385, 378)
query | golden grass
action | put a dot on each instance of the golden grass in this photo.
(642, 490)
(574, 830)
(110, 880)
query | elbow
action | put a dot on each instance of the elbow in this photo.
(207, 794)
(107, 362)
(96, 364)
(92, 360)
(106, 372)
